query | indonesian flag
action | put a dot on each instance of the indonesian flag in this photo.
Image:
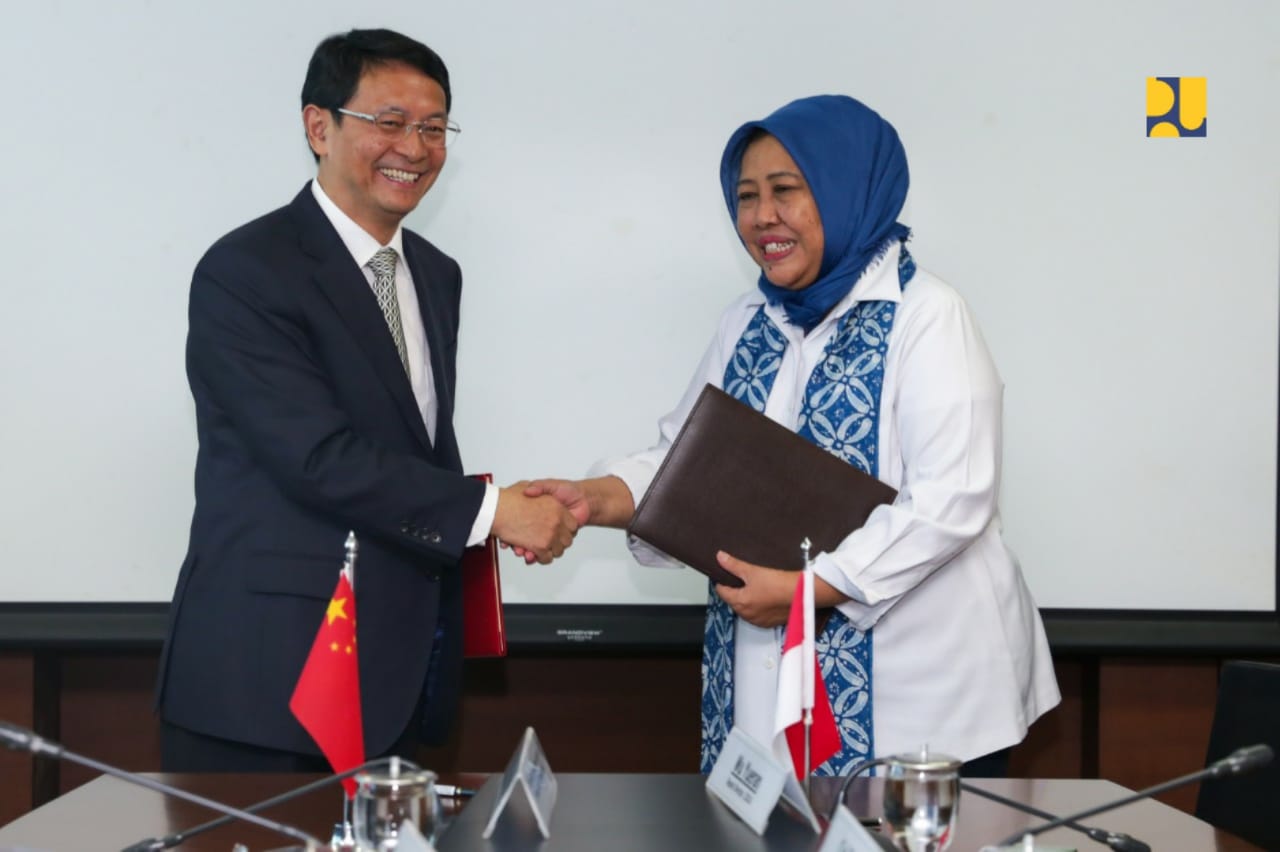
(800, 688)
(327, 698)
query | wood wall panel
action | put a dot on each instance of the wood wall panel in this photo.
(1137, 721)
(1155, 721)
(17, 700)
(632, 712)
(106, 713)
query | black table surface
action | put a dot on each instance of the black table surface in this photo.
(592, 812)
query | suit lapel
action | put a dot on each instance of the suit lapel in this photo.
(344, 285)
(439, 337)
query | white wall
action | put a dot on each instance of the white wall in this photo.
(1127, 286)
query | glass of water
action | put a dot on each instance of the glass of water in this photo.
(386, 799)
(922, 800)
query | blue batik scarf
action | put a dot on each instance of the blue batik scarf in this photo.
(856, 169)
(840, 410)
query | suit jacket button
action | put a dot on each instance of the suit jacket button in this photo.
(435, 538)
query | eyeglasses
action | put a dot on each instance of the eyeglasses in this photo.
(434, 132)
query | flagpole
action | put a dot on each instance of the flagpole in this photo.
(808, 653)
(808, 745)
(351, 548)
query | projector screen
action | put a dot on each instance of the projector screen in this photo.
(1127, 286)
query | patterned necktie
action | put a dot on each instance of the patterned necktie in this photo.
(383, 265)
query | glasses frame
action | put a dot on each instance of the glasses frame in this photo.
(420, 126)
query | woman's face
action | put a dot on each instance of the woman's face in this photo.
(777, 216)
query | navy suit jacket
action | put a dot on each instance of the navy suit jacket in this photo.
(308, 428)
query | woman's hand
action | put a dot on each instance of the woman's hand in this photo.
(572, 495)
(765, 600)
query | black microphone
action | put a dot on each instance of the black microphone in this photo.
(1242, 760)
(1239, 761)
(155, 844)
(22, 739)
(1117, 840)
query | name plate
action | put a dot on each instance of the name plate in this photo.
(750, 781)
(846, 834)
(529, 772)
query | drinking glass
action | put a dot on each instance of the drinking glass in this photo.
(922, 800)
(385, 799)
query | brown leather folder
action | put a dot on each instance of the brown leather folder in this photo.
(484, 633)
(736, 481)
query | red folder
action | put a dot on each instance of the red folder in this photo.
(484, 634)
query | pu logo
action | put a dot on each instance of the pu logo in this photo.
(1176, 106)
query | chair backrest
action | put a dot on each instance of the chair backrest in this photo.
(1247, 712)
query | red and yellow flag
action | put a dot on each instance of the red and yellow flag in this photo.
(327, 698)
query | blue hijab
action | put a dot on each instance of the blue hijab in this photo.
(856, 168)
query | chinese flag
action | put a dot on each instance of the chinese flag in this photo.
(327, 698)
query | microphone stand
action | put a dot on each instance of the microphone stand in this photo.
(843, 790)
(1238, 762)
(1119, 841)
(21, 739)
(153, 844)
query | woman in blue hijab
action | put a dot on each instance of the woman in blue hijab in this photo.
(928, 632)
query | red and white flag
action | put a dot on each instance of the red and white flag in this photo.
(326, 699)
(800, 688)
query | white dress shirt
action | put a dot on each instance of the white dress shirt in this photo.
(363, 247)
(959, 657)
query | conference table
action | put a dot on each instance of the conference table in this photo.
(593, 812)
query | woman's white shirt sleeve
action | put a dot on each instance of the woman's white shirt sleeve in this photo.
(940, 433)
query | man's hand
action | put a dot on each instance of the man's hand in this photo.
(540, 527)
(603, 502)
(566, 493)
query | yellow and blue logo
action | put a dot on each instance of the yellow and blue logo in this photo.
(1176, 106)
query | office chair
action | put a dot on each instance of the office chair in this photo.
(1247, 712)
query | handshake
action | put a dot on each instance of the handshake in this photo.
(538, 519)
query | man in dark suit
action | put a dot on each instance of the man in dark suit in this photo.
(321, 357)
